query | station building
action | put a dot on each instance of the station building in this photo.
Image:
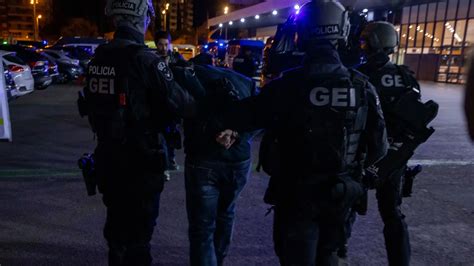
(435, 36)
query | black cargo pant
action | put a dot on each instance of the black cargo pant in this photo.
(129, 227)
(305, 230)
(131, 192)
(395, 230)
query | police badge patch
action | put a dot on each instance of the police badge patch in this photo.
(165, 71)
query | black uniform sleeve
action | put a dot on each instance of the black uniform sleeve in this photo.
(255, 112)
(375, 133)
(178, 100)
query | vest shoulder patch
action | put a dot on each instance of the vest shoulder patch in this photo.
(165, 71)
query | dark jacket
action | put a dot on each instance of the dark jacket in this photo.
(274, 108)
(199, 139)
(131, 97)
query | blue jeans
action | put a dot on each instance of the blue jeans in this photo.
(212, 188)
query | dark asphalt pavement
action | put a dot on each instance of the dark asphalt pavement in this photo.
(47, 219)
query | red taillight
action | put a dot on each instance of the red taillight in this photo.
(16, 69)
(36, 64)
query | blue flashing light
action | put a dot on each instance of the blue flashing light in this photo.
(221, 44)
(206, 46)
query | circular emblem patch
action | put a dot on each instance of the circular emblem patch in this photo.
(165, 71)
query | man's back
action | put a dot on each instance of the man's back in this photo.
(392, 82)
(199, 142)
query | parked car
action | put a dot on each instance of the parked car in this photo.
(67, 70)
(39, 64)
(10, 88)
(60, 56)
(36, 44)
(78, 53)
(89, 44)
(19, 71)
(53, 71)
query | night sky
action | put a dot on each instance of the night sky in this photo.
(93, 10)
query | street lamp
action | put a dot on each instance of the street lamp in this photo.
(165, 13)
(35, 25)
(226, 10)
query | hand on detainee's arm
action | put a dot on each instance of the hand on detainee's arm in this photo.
(178, 99)
(250, 114)
(469, 98)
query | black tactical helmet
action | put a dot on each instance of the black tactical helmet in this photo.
(320, 20)
(379, 36)
(137, 14)
(135, 8)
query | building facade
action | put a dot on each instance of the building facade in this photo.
(435, 36)
(17, 20)
(178, 16)
(435, 39)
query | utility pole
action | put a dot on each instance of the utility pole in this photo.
(35, 20)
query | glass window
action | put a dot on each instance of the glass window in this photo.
(414, 14)
(420, 33)
(463, 8)
(453, 4)
(430, 16)
(403, 36)
(443, 67)
(455, 64)
(429, 34)
(448, 32)
(459, 32)
(411, 35)
(441, 11)
(422, 12)
(471, 12)
(406, 15)
(470, 33)
(439, 28)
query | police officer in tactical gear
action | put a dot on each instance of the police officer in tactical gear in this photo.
(244, 63)
(172, 134)
(323, 116)
(378, 41)
(130, 96)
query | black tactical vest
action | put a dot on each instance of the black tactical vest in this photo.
(327, 123)
(107, 93)
(392, 82)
